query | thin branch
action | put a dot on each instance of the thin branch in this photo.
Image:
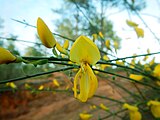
(48, 58)
(142, 83)
(111, 99)
(99, 62)
(18, 40)
(115, 113)
(35, 75)
(25, 23)
(133, 56)
(137, 13)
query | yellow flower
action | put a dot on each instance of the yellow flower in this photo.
(158, 82)
(45, 34)
(12, 85)
(115, 44)
(152, 61)
(105, 57)
(156, 71)
(136, 77)
(132, 64)
(61, 49)
(147, 67)
(155, 108)
(120, 63)
(27, 86)
(93, 107)
(41, 87)
(131, 23)
(85, 53)
(103, 107)
(145, 58)
(85, 116)
(101, 35)
(66, 44)
(133, 112)
(139, 32)
(55, 82)
(108, 44)
(103, 66)
(6, 56)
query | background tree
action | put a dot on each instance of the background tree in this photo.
(89, 17)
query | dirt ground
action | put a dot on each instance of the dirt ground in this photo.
(24, 105)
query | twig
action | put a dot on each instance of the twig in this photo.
(142, 83)
(25, 23)
(35, 75)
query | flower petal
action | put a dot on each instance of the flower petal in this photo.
(93, 81)
(155, 108)
(156, 71)
(136, 115)
(130, 107)
(84, 87)
(84, 50)
(6, 56)
(76, 82)
(85, 116)
(66, 44)
(136, 77)
(45, 34)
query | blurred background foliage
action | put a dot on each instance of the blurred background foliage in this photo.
(78, 17)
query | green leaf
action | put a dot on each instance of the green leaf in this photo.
(139, 32)
(131, 23)
(39, 62)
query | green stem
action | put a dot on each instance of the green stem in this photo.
(35, 75)
(111, 99)
(25, 23)
(126, 90)
(126, 67)
(133, 56)
(115, 113)
(142, 83)
(144, 98)
(49, 58)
